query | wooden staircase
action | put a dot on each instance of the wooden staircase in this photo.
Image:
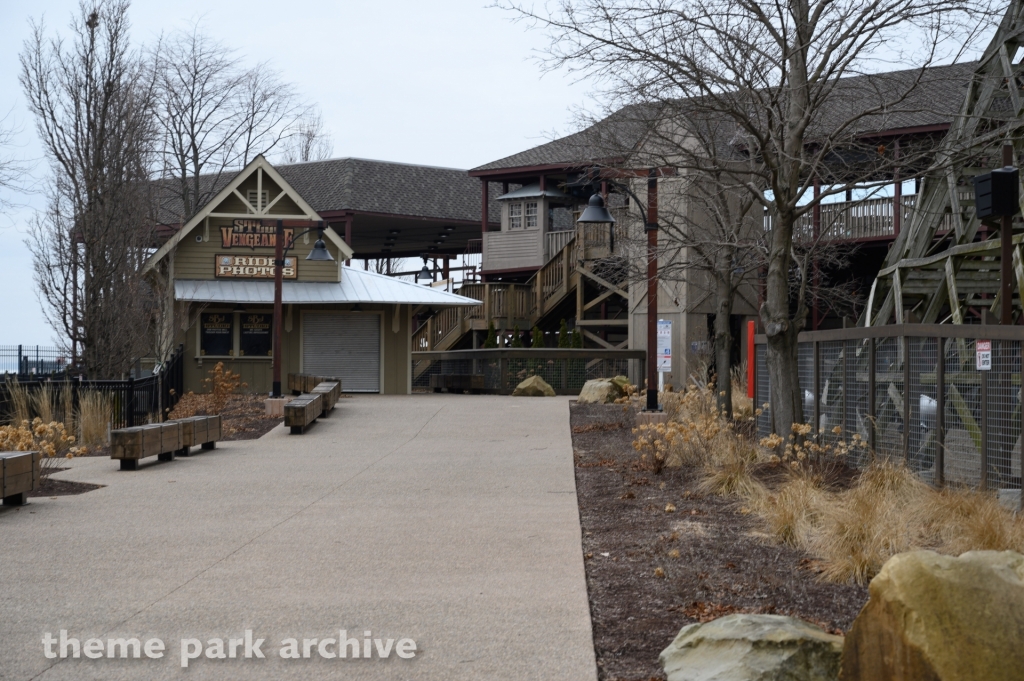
(526, 305)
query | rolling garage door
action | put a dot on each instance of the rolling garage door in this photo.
(344, 345)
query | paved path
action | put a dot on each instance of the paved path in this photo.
(450, 520)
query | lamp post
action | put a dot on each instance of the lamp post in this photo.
(652, 291)
(319, 252)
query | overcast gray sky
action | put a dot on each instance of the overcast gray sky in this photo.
(449, 83)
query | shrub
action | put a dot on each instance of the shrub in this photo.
(563, 335)
(887, 509)
(517, 337)
(537, 338)
(94, 417)
(492, 337)
(21, 401)
(221, 385)
(51, 440)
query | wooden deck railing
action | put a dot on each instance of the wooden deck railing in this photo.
(859, 220)
(556, 241)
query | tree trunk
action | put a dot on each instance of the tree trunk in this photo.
(723, 341)
(781, 329)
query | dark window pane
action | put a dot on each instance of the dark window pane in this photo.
(216, 333)
(254, 337)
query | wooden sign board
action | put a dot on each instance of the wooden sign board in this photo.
(253, 267)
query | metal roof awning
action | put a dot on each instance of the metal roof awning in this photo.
(357, 286)
(531, 191)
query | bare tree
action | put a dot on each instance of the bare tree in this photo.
(92, 103)
(783, 76)
(214, 114)
(310, 141)
(268, 113)
(12, 169)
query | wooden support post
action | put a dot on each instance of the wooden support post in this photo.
(1006, 255)
(897, 194)
(275, 390)
(652, 291)
(940, 414)
(484, 208)
(348, 235)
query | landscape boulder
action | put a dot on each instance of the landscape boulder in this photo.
(600, 391)
(534, 386)
(752, 648)
(622, 382)
(931, 617)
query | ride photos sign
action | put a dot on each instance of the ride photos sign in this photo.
(253, 267)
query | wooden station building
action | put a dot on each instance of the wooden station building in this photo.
(339, 321)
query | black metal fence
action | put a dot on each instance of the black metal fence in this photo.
(33, 360)
(133, 401)
(503, 369)
(944, 398)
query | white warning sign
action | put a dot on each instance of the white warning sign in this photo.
(983, 355)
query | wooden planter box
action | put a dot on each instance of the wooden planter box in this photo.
(202, 431)
(19, 475)
(305, 383)
(331, 392)
(302, 411)
(129, 445)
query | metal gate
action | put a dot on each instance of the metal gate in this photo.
(343, 344)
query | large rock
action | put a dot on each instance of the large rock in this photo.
(600, 391)
(752, 648)
(931, 617)
(622, 382)
(534, 386)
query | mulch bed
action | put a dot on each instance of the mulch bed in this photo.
(60, 488)
(245, 418)
(724, 563)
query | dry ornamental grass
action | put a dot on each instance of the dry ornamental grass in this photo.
(851, 525)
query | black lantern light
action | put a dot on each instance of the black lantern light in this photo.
(320, 252)
(596, 213)
(425, 273)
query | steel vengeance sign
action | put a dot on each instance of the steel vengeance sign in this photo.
(253, 267)
(254, 234)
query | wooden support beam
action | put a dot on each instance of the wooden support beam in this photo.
(593, 277)
(954, 298)
(597, 339)
(600, 299)
(602, 322)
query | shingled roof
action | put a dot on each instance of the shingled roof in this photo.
(935, 100)
(367, 186)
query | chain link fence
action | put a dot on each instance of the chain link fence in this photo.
(944, 399)
(500, 371)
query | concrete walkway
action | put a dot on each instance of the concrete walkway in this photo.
(447, 519)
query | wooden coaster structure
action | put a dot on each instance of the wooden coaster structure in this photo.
(938, 270)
